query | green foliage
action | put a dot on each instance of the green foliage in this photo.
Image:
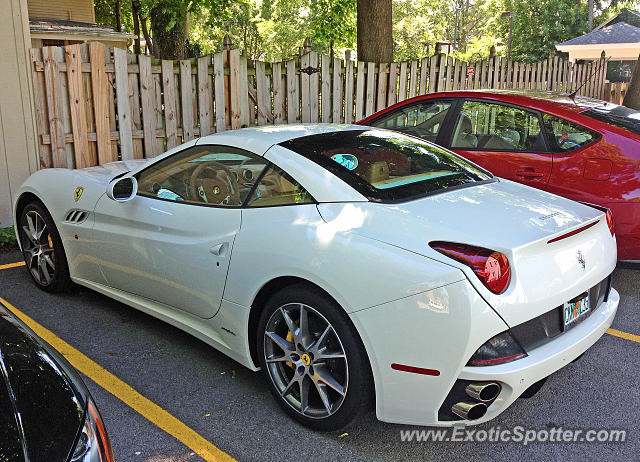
(333, 24)
(7, 238)
(541, 24)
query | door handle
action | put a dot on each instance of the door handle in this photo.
(529, 174)
(218, 249)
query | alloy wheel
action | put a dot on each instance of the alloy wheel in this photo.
(306, 360)
(37, 247)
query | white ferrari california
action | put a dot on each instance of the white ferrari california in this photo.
(349, 263)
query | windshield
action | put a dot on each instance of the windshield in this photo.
(619, 116)
(387, 166)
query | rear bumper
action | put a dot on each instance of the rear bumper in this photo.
(440, 330)
(517, 376)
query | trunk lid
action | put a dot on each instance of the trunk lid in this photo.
(510, 218)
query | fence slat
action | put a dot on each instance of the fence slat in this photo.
(381, 98)
(204, 95)
(337, 90)
(348, 92)
(134, 105)
(326, 88)
(264, 94)
(218, 90)
(124, 109)
(56, 129)
(393, 84)
(76, 101)
(278, 93)
(235, 103)
(305, 115)
(440, 72)
(185, 97)
(147, 95)
(170, 117)
(447, 82)
(413, 82)
(371, 81)
(402, 82)
(424, 69)
(314, 87)
(293, 102)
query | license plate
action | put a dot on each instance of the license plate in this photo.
(576, 310)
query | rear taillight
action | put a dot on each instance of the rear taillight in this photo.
(608, 215)
(610, 224)
(502, 348)
(491, 267)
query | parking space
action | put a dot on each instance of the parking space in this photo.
(229, 407)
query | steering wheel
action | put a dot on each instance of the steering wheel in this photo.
(214, 190)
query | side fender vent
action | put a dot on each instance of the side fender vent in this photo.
(75, 217)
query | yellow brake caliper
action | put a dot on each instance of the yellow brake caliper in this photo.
(53, 255)
(290, 339)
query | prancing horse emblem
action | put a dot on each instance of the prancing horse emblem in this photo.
(581, 260)
(78, 193)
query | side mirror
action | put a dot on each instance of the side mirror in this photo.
(122, 189)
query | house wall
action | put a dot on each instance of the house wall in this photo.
(18, 148)
(73, 10)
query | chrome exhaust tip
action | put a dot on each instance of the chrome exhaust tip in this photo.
(484, 392)
(468, 410)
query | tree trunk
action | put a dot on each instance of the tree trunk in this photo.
(136, 27)
(375, 31)
(118, 20)
(632, 97)
(168, 43)
(145, 33)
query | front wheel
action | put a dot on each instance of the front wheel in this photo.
(42, 249)
(312, 358)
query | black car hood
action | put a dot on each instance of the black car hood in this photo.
(41, 401)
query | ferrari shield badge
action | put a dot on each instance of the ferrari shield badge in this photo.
(78, 193)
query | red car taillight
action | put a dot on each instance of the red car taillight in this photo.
(608, 215)
(491, 267)
(610, 224)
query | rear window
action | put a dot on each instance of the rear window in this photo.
(387, 166)
(619, 116)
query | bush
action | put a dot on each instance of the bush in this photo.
(7, 238)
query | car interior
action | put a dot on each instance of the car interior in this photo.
(220, 178)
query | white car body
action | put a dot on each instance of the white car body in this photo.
(409, 303)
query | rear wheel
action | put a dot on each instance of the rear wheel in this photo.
(42, 249)
(312, 358)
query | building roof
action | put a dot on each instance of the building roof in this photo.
(620, 32)
(625, 15)
(60, 26)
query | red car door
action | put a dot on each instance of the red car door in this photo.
(506, 140)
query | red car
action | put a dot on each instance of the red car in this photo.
(583, 149)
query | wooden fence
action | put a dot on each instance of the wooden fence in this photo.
(96, 104)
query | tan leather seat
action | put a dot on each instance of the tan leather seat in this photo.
(376, 172)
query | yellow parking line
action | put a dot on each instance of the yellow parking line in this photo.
(624, 335)
(121, 390)
(12, 265)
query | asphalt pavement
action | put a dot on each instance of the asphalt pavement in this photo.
(232, 408)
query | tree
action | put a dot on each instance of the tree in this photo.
(333, 23)
(375, 30)
(540, 24)
(632, 97)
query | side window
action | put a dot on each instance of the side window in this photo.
(277, 188)
(567, 136)
(489, 127)
(215, 175)
(423, 119)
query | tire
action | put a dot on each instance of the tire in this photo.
(327, 359)
(42, 249)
